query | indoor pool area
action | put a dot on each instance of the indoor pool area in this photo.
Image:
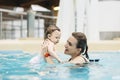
(65, 31)
(14, 65)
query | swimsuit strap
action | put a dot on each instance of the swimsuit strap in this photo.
(84, 59)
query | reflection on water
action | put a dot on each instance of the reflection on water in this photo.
(17, 67)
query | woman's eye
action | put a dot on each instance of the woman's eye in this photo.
(57, 38)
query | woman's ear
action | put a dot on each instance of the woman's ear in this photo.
(79, 49)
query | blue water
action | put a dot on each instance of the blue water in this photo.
(14, 65)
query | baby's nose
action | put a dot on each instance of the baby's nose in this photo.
(65, 45)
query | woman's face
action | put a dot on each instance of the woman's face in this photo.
(70, 46)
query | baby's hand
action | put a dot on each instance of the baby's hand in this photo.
(64, 62)
(44, 48)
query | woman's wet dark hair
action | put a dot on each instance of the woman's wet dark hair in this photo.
(81, 42)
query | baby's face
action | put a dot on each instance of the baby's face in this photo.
(55, 36)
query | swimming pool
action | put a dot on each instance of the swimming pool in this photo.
(14, 66)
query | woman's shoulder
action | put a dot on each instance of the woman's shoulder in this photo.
(80, 60)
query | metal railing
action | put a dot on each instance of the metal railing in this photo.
(13, 25)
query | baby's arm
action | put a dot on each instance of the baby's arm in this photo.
(49, 60)
(52, 52)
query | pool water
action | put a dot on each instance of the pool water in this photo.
(14, 65)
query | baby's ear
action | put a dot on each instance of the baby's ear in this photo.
(49, 36)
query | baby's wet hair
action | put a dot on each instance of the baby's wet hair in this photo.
(50, 29)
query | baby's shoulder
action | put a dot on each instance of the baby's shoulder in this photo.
(47, 42)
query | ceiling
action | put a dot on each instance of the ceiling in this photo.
(27, 3)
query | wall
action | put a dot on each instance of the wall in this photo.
(103, 16)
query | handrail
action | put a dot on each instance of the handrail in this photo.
(25, 13)
(10, 11)
(46, 16)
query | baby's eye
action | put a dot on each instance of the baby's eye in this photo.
(69, 43)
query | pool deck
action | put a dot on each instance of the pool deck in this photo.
(34, 45)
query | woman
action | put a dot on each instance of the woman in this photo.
(76, 47)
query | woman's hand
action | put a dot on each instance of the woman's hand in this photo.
(44, 47)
